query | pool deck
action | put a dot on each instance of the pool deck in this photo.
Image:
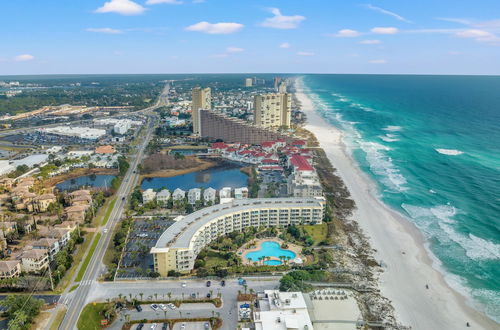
(292, 247)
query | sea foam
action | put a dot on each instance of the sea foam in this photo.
(449, 152)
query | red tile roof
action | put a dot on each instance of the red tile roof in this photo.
(300, 163)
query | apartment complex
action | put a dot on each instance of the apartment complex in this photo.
(178, 246)
(215, 125)
(201, 99)
(248, 82)
(273, 110)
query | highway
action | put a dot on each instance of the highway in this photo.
(95, 267)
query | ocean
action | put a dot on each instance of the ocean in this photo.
(432, 145)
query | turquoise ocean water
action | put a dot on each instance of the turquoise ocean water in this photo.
(432, 145)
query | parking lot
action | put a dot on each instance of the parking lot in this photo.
(177, 326)
(136, 260)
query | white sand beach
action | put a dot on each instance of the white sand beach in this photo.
(405, 275)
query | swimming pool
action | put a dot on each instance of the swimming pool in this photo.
(270, 249)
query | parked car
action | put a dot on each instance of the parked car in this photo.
(162, 307)
(171, 306)
(223, 283)
(209, 283)
(140, 326)
(138, 307)
(164, 326)
(154, 307)
(206, 325)
(184, 284)
(193, 295)
(209, 295)
(153, 326)
(183, 326)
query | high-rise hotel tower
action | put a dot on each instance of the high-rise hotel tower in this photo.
(201, 99)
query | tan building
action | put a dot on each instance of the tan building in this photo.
(273, 110)
(248, 82)
(76, 213)
(202, 99)
(34, 261)
(41, 203)
(10, 268)
(215, 125)
(179, 245)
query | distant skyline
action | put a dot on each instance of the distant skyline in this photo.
(249, 36)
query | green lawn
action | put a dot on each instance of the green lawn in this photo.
(317, 232)
(91, 317)
(87, 258)
(108, 212)
(215, 259)
(74, 287)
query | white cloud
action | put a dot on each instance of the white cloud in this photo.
(386, 12)
(170, 2)
(285, 45)
(305, 53)
(215, 28)
(104, 30)
(347, 33)
(370, 42)
(279, 21)
(377, 61)
(122, 7)
(24, 58)
(384, 30)
(478, 35)
(234, 49)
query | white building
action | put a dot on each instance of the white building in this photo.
(74, 131)
(225, 192)
(35, 260)
(5, 167)
(122, 127)
(282, 311)
(163, 196)
(194, 195)
(54, 150)
(241, 193)
(178, 194)
(148, 195)
(209, 195)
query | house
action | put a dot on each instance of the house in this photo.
(225, 192)
(76, 213)
(148, 195)
(6, 183)
(178, 194)
(71, 225)
(194, 195)
(7, 227)
(10, 268)
(34, 261)
(163, 196)
(62, 235)
(79, 197)
(241, 193)
(209, 195)
(49, 244)
(42, 202)
(105, 150)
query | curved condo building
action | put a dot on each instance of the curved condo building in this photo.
(178, 246)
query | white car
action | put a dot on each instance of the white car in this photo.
(105, 230)
(171, 306)
(153, 326)
(183, 326)
(184, 284)
(162, 307)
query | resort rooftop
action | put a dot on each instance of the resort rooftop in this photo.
(180, 234)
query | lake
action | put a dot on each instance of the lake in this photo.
(226, 175)
(93, 181)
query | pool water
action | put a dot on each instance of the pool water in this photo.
(272, 262)
(270, 249)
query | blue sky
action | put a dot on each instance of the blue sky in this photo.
(196, 36)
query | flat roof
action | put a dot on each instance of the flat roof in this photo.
(181, 232)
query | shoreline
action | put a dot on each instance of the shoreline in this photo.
(408, 265)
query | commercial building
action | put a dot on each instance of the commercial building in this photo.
(201, 99)
(282, 311)
(273, 110)
(248, 82)
(74, 131)
(122, 127)
(178, 246)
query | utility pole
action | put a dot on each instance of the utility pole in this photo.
(50, 277)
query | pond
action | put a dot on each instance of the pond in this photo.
(93, 181)
(187, 152)
(226, 175)
(270, 249)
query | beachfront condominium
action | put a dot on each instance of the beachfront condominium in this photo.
(273, 110)
(248, 82)
(201, 99)
(179, 245)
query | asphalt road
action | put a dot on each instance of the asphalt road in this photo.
(76, 301)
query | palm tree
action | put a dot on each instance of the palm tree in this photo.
(141, 294)
(169, 294)
(245, 287)
(156, 296)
